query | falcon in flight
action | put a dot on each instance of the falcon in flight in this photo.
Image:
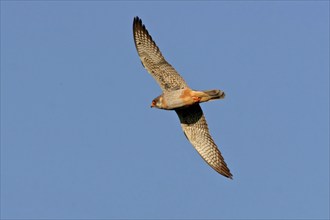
(179, 97)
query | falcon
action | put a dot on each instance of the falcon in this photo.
(178, 96)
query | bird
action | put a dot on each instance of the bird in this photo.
(179, 97)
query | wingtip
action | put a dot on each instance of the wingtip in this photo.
(136, 18)
(228, 174)
(224, 171)
(137, 21)
(138, 25)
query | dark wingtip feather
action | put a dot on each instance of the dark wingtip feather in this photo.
(136, 22)
(224, 171)
(138, 25)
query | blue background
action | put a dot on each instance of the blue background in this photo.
(79, 140)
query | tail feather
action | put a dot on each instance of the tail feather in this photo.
(215, 94)
(207, 95)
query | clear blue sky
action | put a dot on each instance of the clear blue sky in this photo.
(79, 140)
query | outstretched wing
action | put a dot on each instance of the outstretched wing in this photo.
(153, 60)
(196, 130)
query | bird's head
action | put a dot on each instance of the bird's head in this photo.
(157, 102)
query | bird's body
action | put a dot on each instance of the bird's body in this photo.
(182, 98)
(179, 97)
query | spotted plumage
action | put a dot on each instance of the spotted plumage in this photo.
(179, 97)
